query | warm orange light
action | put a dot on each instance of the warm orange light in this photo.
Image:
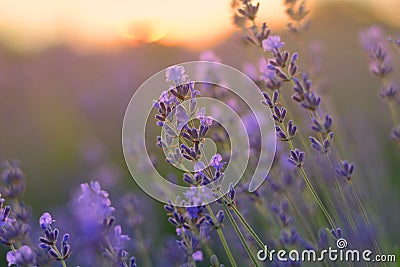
(93, 23)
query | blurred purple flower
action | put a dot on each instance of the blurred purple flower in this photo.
(95, 203)
(251, 71)
(21, 257)
(371, 37)
(209, 56)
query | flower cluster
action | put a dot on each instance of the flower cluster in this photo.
(280, 69)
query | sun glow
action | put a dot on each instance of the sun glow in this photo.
(141, 31)
(93, 23)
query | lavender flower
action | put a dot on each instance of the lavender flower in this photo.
(218, 219)
(374, 45)
(115, 251)
(282, 212)
(323, 147)
(271, 102)
(94, 204)
(273, 43)
(324, 126)
(297, 12)
(296, 158)
(45, 220)
(189, 247)
(289, 134)
(346, 170)
(48, 242)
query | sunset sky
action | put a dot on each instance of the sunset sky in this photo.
(104, 23)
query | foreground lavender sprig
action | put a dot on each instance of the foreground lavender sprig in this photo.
(50, 238)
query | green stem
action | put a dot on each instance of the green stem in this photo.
(343, 200)
(248, 227)
(393, 112)
(222, 238)
(208, 250)
(59, 255)
(320, 204)
(145, 254)
(239, 233)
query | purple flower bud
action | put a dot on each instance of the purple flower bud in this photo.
(280, 134)
(216, 161)
(45, 220)
(315, 144)
(296, 158)
(291, 129)
(345, 170)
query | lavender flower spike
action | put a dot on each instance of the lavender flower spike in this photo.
(345, 170)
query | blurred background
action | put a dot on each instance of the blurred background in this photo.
(69, 68)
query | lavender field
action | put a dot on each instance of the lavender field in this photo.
(326, 139)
